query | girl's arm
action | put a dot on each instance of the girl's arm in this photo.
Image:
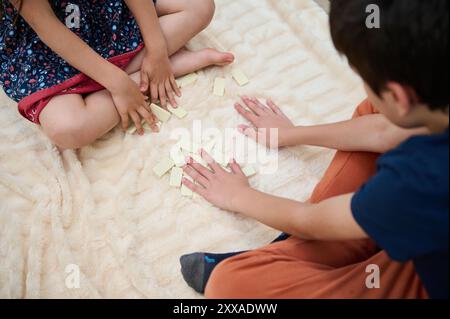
(40, 16)
(156, 73)
(128, 99)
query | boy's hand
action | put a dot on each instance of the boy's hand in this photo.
(263, 119)
(130, 102)
(157, 78)
(217, 186)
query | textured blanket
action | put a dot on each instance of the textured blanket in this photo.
(101, 210)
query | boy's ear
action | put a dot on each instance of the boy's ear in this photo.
(402, 97)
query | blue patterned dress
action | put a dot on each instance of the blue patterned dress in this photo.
(31, 73)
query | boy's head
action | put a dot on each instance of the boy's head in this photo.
(400, 49)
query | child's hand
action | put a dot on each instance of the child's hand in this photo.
(130, 102)
(157, 78)
(263, 117)
(218, 187)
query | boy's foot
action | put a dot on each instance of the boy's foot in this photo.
(197, 268)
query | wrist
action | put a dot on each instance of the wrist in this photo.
(156, 46)
(114, 83)
(242, 196)
(291, 136)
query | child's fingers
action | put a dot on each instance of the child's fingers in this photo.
(260, 105)
(194, 187)
(154, 92)
(124, 120)
(144, 82)
(246, 114)
(137, 121)
(248, 131)
(162, 95)
(196, 176)
(170, 94)
(236, 168)
(175, 87)
(211, 162)
(201, 169)
(274, 107)
(146, 116)
(252, 106)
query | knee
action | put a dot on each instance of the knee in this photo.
(66, 133)
(204, 11)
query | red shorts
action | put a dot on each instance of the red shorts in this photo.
(32, 106)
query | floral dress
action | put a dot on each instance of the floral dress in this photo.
(31, 73)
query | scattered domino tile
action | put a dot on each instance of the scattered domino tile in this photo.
(210, 146)
(132, 130)
(249, 171)
(187, 80)
(190, 147)
(240, 77)
(219, 87)
(185, 191)
(177, 156)
(163, 167)
(160, 113)
(177, 160)
(178, 112)
(176, 177)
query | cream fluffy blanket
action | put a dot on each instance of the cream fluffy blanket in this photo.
(102, 209)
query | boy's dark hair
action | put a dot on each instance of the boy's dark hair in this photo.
(410, 47)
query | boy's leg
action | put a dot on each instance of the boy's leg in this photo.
(311, 269)
(297, 269)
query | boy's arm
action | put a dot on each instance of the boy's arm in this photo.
(329, 220)
(370, 133)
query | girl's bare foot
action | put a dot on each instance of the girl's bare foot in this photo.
(215, 57)
(185, 62)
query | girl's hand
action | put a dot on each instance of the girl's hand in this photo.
(130, 102)
(157, 78)
(217, 186)
(264, 118)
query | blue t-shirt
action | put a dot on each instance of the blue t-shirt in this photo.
(405, 208)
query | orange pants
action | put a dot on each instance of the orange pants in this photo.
(297, 268)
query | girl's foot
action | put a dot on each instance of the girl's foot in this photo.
(215, 57)
(185, 62)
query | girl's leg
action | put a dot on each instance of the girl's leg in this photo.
(72, 121)
(181, 20)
